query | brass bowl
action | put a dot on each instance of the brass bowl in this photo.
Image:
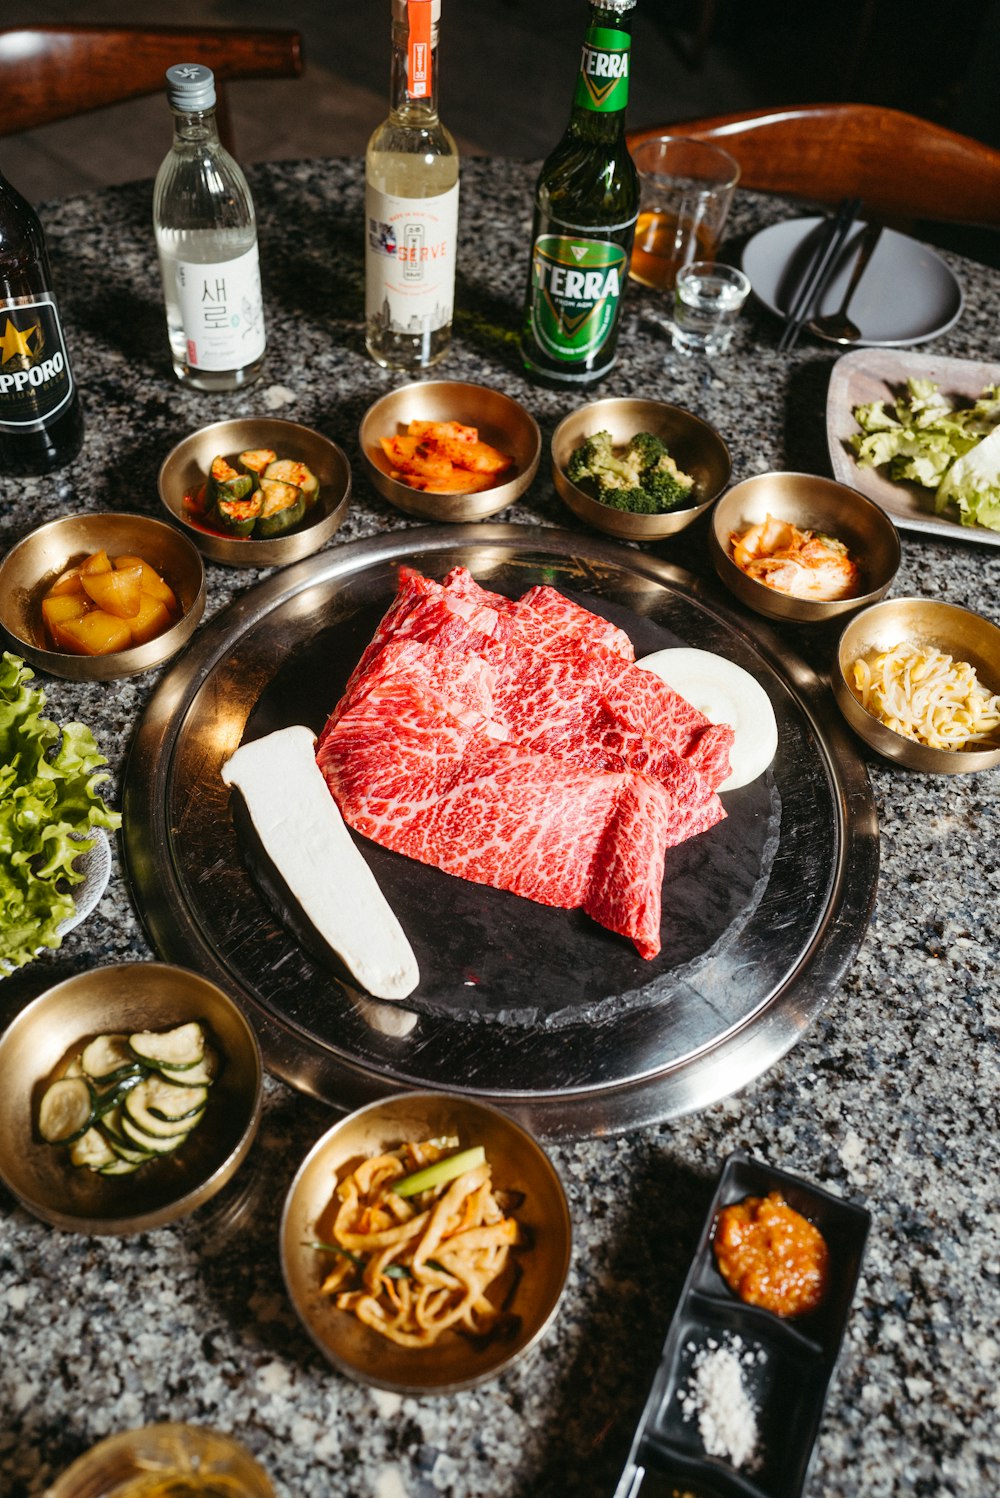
(811, 503)
(194, 1457)
(53, 1028)
(34, 563)
(519, 1164)
(186, 467)
(695, 447)
(500, 421)
(921, 622)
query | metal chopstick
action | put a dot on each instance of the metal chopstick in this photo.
(820, 270)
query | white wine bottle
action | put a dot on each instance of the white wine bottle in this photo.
(206, 235)
(411, 205)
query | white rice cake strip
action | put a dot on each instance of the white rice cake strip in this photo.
(304, 835)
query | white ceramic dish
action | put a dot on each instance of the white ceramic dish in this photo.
(95, 865)
(907, 295)
(866, 375)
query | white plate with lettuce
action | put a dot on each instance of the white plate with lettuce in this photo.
(920, 435)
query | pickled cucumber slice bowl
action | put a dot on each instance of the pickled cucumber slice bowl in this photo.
(125, 1099)
(45, 1042)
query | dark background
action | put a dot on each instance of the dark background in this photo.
(507, 70)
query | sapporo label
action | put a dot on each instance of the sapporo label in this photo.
(35, 377)
(603, 81)
(576, 284)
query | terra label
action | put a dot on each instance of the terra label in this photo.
(577, 284)
(602, 84)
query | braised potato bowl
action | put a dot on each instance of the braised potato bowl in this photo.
(35, 565)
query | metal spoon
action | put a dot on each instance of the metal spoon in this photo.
(837, 327)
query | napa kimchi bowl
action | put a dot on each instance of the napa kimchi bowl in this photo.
(802, 549)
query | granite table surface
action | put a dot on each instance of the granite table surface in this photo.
(890, 1098)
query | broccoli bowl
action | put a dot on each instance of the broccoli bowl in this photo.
(638, 469)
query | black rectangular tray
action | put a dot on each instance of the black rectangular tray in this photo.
(786, 1364)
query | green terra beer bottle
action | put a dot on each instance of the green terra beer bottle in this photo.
(586, 205)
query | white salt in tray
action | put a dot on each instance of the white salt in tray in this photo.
(736, 1404)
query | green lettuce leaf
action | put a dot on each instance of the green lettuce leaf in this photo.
(973, 484)
(926, 440)
(49, 802)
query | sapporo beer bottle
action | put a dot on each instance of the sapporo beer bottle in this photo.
(586, 205)
(411, 205)
(40, 423)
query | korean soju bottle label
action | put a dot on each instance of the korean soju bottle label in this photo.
(576, 287)
(222, 312)
(35, 377)
(603, 81)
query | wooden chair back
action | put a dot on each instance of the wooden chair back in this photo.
(902, 167)
(54, 72)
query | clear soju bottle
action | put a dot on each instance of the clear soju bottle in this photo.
(411, 205)
(206, 235)
(586, 205)
(40, 423)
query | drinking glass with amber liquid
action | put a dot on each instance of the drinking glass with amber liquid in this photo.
(164, 1461)
(686, 188)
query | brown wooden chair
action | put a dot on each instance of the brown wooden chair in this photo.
(902, 167)
(53, 72)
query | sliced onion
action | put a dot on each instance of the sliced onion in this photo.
(725, 693)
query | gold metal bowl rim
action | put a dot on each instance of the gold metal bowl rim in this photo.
(782, 606)
(271, 551)
(622, 523)
(456, 508)
(19, 1031)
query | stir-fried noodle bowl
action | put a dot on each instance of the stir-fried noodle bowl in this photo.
(420, 1242)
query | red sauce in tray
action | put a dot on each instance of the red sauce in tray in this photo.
(771, 1255)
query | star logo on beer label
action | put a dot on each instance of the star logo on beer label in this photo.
(16, 342)
(35, 377)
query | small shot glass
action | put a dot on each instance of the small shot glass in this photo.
(707, 302)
